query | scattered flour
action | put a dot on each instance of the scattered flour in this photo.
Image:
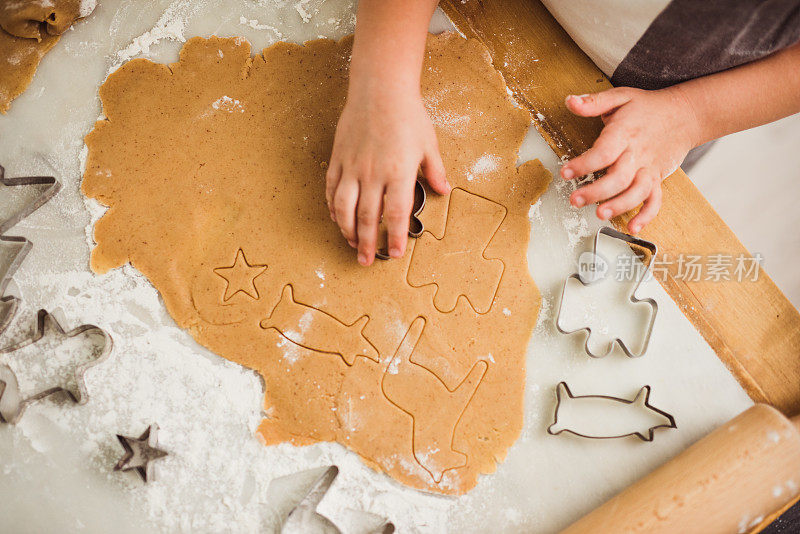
(290, 350)
(485, 164)
(170, 26)
(226, 103)
(449, 120)
(253, 23)
(300, 7)
(575, 223)
(535, 211)
(87, 7)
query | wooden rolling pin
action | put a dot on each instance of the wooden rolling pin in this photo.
(727, 482)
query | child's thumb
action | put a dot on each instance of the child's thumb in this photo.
(434, 173)
(595, 104)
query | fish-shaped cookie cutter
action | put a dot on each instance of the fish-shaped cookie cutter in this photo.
(592, 278)
(415, 226)
(14, 249)
(641, 400)
(12, 403)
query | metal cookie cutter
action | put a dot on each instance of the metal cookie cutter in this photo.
(12, 252)
(13, 402)
(46, 185)
(588, 279)
(415, 226)
(14, 249)
(139, 452)
(603, 406)
(304, 518)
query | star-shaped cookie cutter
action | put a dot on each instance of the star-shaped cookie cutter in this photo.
(139, 452)
(415, 226)
(12, 253)
(12, 405)
(588, 280)
(14, 249)
(49, 187)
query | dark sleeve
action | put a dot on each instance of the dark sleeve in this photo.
(693, 38)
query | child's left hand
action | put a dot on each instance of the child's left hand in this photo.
(646, 136)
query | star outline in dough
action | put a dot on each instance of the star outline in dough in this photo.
(241, 277)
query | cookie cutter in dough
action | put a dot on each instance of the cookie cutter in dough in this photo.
(592, 278)
(415, 226)
(304, 518)
(12, 403)
(14, 249)
(641, 401)
(140, 452)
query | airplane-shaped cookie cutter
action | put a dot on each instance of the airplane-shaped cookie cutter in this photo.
(584, 280)
(304, 518)
(415, 226)
(14, 249)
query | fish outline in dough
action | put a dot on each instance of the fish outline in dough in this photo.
(47, 327)
(460, 231)
(288, 316)
(566, 400)
(458, 398)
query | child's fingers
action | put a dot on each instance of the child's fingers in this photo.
(603, 153)
(399, 202)
(434, 172)
(331, 181)
(617, 179)
(344, 204)
(368, 214)
(648, 212)
(639, 190)
(598, 103)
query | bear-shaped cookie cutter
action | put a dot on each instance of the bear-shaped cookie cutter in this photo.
(415, 226)
(15, 396)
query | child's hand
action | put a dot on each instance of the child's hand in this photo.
(646, 136)
(381, 142)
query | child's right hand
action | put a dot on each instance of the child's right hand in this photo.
(381, 141)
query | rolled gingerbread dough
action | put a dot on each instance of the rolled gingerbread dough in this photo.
(28, 30)
(213, 171)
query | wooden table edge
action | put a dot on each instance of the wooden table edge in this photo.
(751, 326)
